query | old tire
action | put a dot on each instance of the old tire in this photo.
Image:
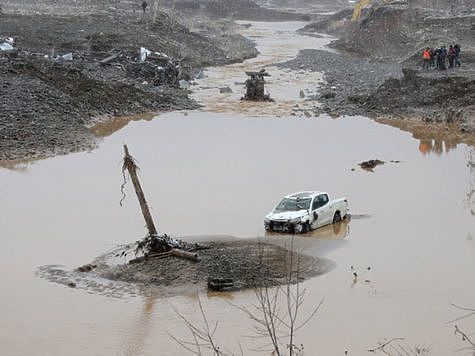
(337, 217)
(299, 229)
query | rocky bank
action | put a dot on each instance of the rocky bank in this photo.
(49, 102)
(378, 71)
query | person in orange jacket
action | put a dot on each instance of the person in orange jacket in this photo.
(426, 58)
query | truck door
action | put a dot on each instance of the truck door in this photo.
(326, 208)
(320, 211)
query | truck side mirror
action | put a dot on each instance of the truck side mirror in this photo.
(315, 216)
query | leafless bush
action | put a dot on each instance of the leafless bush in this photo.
(394, 347)
(468, 312)
(276, 317)
(276, 323)
(203, 335)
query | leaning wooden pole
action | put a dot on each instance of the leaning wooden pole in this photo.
(131, 167)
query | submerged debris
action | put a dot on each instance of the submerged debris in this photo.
(220, 284)
(225, 90)
(371, 164)
(255, 90)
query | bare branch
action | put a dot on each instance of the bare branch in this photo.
(464, 336)
(382, 346)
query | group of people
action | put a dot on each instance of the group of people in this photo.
(438, 58)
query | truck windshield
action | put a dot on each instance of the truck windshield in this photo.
(293, 204)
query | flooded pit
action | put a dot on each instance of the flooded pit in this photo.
(218, 173)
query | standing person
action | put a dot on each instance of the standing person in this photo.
(437, 57)
(432, 58)
(457, 55)
(442, 58)
(426, 58)
(451, 56)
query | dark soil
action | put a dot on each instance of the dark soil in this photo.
(47, 106)
(247, 263)
(443, 97)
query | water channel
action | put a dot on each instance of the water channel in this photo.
(216, 172)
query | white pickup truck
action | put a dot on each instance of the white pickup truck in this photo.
(301, 212)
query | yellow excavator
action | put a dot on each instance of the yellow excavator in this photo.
(359, 8)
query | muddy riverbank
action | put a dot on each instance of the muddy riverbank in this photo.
(387, 35)
(49, 103)
(387, 90)
(344, 78)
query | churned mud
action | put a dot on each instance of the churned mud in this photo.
(247, 263)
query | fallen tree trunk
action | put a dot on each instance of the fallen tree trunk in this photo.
(173, 252)
(153, 255)
(184, 254)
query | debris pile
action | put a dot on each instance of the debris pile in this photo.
(7, 44)
(69, 71)
(371, 164)
(255, 86)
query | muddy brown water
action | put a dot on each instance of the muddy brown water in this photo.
(218, 172)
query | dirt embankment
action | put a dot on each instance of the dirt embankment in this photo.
(47, 105)
(396, 32)
(390, 35)
(335, 24)
(236, 9)
(426, 96)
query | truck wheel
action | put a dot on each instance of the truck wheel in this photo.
(299, 229)
(305, 228)
(337, 217)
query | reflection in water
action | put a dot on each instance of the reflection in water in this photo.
(433, 138)
(436, 145)
(17, 165)
(108, 127)
(338, 231)
(141, 329)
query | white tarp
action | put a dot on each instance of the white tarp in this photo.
(144, 53)
(5, 46)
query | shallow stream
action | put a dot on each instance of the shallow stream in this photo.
(217, 172)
